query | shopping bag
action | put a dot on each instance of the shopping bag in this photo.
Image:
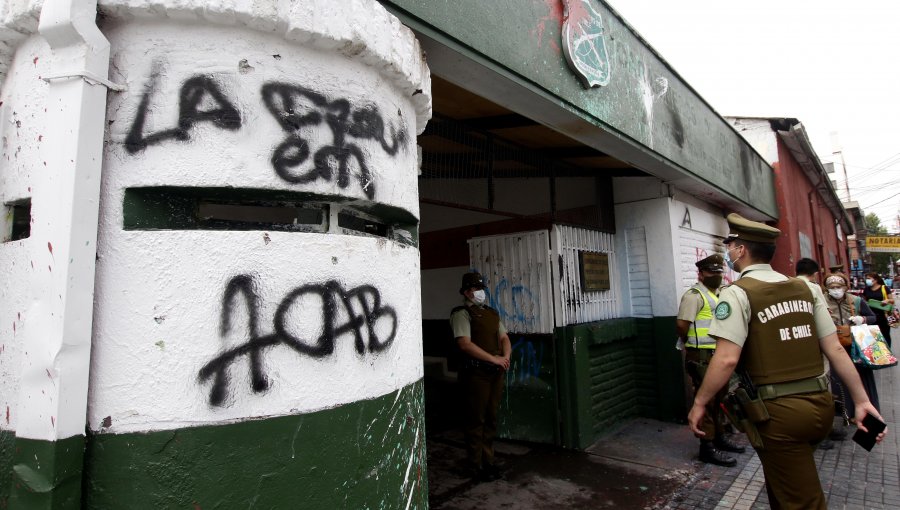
(869, 348)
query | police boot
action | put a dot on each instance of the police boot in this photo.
(710, 455)
(727, 445)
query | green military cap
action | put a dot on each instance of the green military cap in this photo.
(748, 230)
(470, 280)
(715, 263)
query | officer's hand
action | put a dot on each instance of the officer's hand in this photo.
(694, 418)
(861, 411)
(858, 320)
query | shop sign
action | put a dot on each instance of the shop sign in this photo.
(883, 244)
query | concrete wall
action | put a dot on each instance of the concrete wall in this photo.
(643, 202)
(284, 360)
(700, 229)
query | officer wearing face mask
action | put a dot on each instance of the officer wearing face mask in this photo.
(774, 330)
(482, 338)
(695, 314)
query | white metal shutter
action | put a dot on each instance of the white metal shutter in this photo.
(516, 269)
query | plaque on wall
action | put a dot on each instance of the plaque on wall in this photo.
(594, 271)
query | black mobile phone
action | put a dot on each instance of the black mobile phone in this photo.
(867, 439)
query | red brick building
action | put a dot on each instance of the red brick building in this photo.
(812, 219)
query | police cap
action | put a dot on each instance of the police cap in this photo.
(470, 280)
(715, 263)
(836, 269)
(748, 230)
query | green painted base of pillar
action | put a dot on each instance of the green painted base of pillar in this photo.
(368, 454)
(45, 474)
(7, 446)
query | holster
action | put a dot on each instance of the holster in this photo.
(697, 369)
(744, 413)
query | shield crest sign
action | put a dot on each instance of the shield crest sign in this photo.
(583, 43)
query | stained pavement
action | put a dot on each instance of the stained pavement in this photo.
(646, 464)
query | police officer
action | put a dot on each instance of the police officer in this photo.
(774, 330)
(695, 315)
(482, 338)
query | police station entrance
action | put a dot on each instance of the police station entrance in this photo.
(524, 205)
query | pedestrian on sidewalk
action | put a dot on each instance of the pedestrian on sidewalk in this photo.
(486, 349)
(694, 318)
(774, 330)
(808, 269)
(847, 310)
(876, 290)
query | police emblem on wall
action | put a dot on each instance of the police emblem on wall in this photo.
(583, 43)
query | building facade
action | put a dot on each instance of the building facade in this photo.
(235, 232)
(813, 222)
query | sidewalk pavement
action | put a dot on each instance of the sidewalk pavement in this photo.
(646, 464)
(852, 478)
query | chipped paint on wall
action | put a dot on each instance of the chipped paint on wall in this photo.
(652, 90)
(306, 106)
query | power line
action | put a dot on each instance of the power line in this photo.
(885, 200)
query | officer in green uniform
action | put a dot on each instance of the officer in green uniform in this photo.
(695, 315)
(485, 345)
(774, 330)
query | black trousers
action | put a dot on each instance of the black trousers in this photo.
(481, 389)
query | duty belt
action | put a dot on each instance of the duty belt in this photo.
(472, 363)
(809, 385)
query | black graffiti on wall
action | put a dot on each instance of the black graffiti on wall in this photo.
(297, 108)
(300, 112)
(196, 92)
(355, 311)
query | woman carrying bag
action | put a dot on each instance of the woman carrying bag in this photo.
(876, 291)
(848, 310)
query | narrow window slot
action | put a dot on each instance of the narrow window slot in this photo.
(17, 220)
(359, 223)
(234, 209)
(272, 216)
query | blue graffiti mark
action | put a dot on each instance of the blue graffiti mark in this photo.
(526, 361)
(522, 303)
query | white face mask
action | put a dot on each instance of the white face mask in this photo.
(728, 260)
(869, 281)
(836, 293)
(478, 297)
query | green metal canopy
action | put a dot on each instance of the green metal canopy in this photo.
(577, 67)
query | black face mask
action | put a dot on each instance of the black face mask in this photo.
(712, 282)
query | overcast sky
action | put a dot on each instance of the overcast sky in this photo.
(833, 65)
